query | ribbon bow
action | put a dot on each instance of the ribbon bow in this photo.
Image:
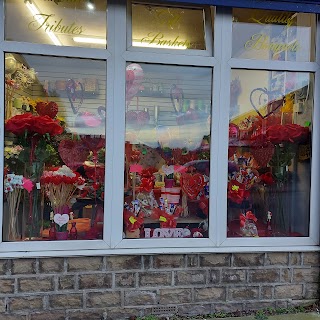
(247, 216)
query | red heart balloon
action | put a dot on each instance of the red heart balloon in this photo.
(73, 153)
(192, 184)
(262, 153)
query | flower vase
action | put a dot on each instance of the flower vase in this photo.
(62, 235)
(33, 203)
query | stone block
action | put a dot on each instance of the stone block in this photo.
(233, 276)
(38, 284)
(266, 292)
(227, 307)
(2, 305)
(175, 296)
(140, 297)
(66, 301)
(95, 281)
(311, 259)
(103, 299)
(302, 303)
(194, 309)
(312, 291)
(214, 276)
(51, 265)
(24, 266)
(147, 262)
(248, 259)
(193, 261)
(118, 263)
(66, 282)
(6, 286)
(5, 267)
(125, 280)
(123, 313)
(25, 303)
(155, 279)
(277, 258)
(286, 275)
(169, 261)
(190, 277)
(290, 291)
(244, 293)
(93, 314)
(85, 264)
(209, 294)
(215, 260)
(13, 317)
(295, 259)
(306, 274)
(48, 315)
(264, 275)
(260, 305)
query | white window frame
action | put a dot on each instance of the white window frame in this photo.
(117, 55)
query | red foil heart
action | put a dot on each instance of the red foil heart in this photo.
(192, 184)
(262, 153)
(73, 153)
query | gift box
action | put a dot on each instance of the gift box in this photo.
(171, 194)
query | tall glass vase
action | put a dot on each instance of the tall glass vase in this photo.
(33, 203)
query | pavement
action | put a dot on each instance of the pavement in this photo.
(296, 316)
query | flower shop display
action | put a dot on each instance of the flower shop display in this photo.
(265, 169)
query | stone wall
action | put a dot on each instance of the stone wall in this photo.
(116, 287)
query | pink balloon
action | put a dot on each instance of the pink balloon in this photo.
(134, 78)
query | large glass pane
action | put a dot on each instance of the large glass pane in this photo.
(167, 151)
(167, 27)
(75, 23)
(269, 165)
(273, 35)
(54, 148)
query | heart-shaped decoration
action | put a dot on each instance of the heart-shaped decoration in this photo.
(192, 184)
(263, 95)
(47, 109)
(73, 153)
(262, 153)
(61, 219)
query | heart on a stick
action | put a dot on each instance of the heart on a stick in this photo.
(192, 184)
(263, 153)
(73, 153)
(61, 219)
(264, 98)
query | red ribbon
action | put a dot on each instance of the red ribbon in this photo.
(247, 216)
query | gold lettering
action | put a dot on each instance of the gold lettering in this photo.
(261, 41)
(43, 21)
(283, 18)
(159, 39)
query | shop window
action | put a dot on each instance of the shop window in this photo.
(269, 165)
(168, 27)
(273, 35)
(78, 23)
(167, 151)
(54, 156)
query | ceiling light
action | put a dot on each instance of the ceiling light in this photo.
(90, 40)
(155, 45)
(90, 5)
(37, 15)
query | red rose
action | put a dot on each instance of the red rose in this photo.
(19, 123)
(46, 125)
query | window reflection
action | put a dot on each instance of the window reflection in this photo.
(269, 165)
(167, 151)
(54, 148)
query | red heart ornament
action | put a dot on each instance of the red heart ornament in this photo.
(73, 153)
(192, 184)
(262, 153)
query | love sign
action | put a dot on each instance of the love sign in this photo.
(167, 233)
(61, 219)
